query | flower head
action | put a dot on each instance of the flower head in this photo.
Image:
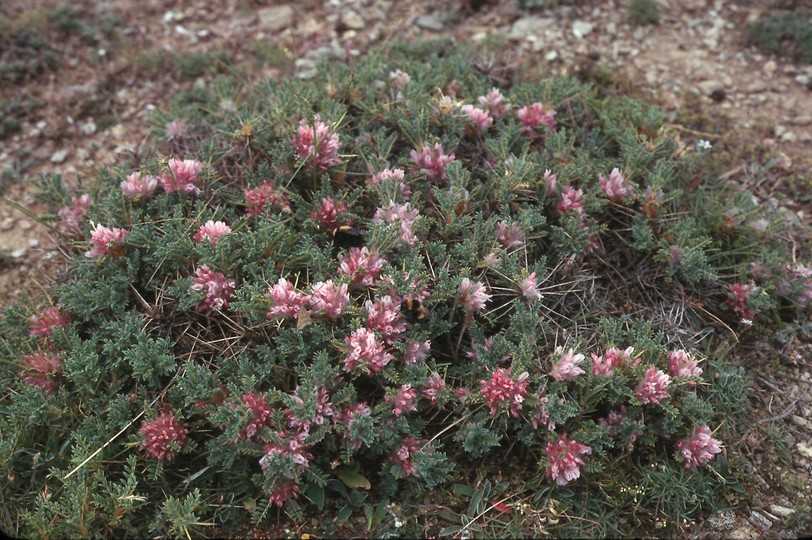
(383, 315)
(536, 116)
(529, 288)
(432, 160)
(494, 101)
(434, 387)
(398, 78)
(260, 199)
(501, 389)
(136, 187)
(479, 120)
(616, 187)
(287, 302)
(218, 290)
(184, 176)
(71, 216)
(260, 415)
(361, 265)
(402, 456)
(328, 213)
(550, 182)
(284, 492)
(106, 241)
(365, 351)
(403, 214)
(565, 459)
(211, 231)
(567, 368)
(328, 299)
(176, 129)
(317, 144)
(392, 174)
(42, 370)
(571, 200)
(738, 293)
(653, 388)
(404, 400)
(43, 324)
(699, 448)
(612, 359)
(684, 366)
(473, 295)
(416, 353)
(510, 236)
(164, 436)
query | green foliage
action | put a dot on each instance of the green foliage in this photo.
(644, 12)
(786, 33)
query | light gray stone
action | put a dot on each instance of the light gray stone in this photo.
(781, 511)
(305, 68)
(353, 20)
(59, 156)
(530, 26)
(722, 521)
(430, 22)
(276, 18)
(582, 28)
(760, 520)
(756, 87)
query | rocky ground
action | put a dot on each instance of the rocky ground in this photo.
(90, 106)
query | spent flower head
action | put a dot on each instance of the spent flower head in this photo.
(42, 370)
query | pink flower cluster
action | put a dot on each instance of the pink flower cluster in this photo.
(184, 176)
(495, 102)
(43, 324)
(401, 213)
(361, 265)
(536, 116)
(260, 415)
(682, 365)
(510, 236)
(404, 400)
(567, 367)
(653, 388)
(383, 315)
(71, 216)
(260, 199)
(399, 79)
(138, 187)
(402, 456)
(699, 448)
(501, 389)
(346, 417)
(294, 447)
(321, 411)
(550, 182)
(329, 299)
(479, 119)
(473, 295)
(565, 460)
(318, 145)
(572, 200)
(432, 160)
(284, 492)
(392, 174)
(365, 351)
(615, 418)
(738, 293)
(612, 359)
(42, 370)
(616, 187)
(416, 353)
(218, 290)
(164, 436)
(433, 388)
(541, 416)
(211, 231)
(328, 213)
(106, 241)
(286, 301)
(529, 288)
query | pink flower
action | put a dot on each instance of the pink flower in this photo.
(399, 213)
(328, 299)
(416, 353)
(365, 351)
(472, 295)
(512, 237)
(211, 231)
(402, 456)
(346, 416)
(317, 144)
(541, 415)
(683, 366)
(258, 200)
(480, 120)
(501, 389)
(550, 181)
(565, 459)
(384, 315)
(284, 492)
(293, 446)
(404, 401)
(286, 301)
(260, 415)
(318, 416)
(218, 290)
(106, 241)
(491, 260)
(567, 368)
(71, 216)
(164, 436)
(176, 129)
(738, 295)
(391, 174)
(616, 187)
(536, 116)
(530, 289)
(399, 79)
(571, 199)
(699, 448)
(42, 370)
(653, 388)
(135, 187)
(432, 160)
(327, 214)
(612, 359)
(184, 176)
(361, 265)
(434, 388)
(43, 324)
(495, 103)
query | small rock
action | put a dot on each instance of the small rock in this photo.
(798, 420)
(276, 18)
(760, 520)
(305, 68)
(24, 224)
(17, 253)
(582, 28)
(117, 131)
(352, 20)
(7, 224)
(722, 521)
(770, 67)
(33, 242)
(88, 128)
(530, 26)
(804, 449)
(756, 87)
(709, 87)
(744, 533)
(781, 511)
(802, 79)
(611, 28)
(430, 22)
(59, 156)
(550, 56)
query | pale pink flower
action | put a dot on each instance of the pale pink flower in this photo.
(541, 416)
(565, 460)
(509, 237)
(164, 436)
(491, 260)
(567, 368)
(653, 388)
(399, 213)
(136, 187)
(699, 448)
(738, 295)
(287, 302)
(571, 199)
(384, 315)
(346, 416)
(71, 216)
(473, 295)
(550, 182)
(328, 299)
(284, 492)
(612, 359)
(211, 231)
(184, 176)
(616, 187)
(480, 120)
(501, 389)
(260, 199)
(260, 415)
(176, 129)
(434, 388)
(529, 288)
(684, 366)
(416, 353)
(399, 79)
(432, 160)
(43, 324)
(106, 241)
(361, 265)
(217, 289)
(317, 144)
(292, 446)
(318, 416)
(495, 103)
(536, 116)
(391, 174)
(328, 213)
(365, 351)
(404, 401)
(402, 456)
(42, 370)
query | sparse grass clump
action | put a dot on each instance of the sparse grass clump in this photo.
(786, 33)
(644, 12)
(337, 297)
